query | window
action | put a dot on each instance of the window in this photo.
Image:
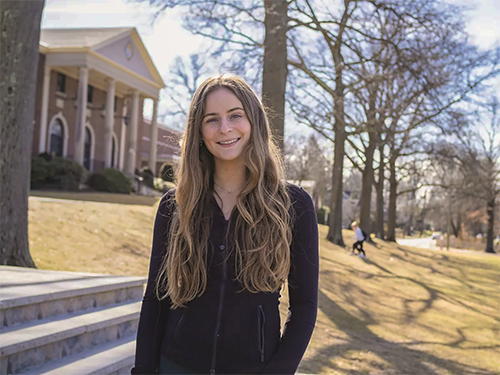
(113, 150)
(87, 149)
(116, 103)
(56, 138)
(61, 82)
(90, 93)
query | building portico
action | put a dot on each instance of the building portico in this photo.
(96, 80)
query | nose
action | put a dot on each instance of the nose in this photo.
(225, 127)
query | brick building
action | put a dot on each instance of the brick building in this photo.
(82, 73)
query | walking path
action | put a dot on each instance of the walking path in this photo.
(429, 243)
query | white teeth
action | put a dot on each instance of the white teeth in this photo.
(229, 142)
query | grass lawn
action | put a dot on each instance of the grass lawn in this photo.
(399, 311)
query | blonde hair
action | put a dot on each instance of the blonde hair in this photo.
(262, 230)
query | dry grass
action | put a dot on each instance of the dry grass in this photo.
(92, 196)
(399, 311)
(91, 237)
(405, 311)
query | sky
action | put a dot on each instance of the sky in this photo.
(165, 38)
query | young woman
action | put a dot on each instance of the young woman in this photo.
(359, 238)
(225, 241)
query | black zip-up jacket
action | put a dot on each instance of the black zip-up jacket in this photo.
(229, 330)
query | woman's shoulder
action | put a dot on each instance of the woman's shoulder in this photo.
(170, 194)
(298, 195)
(302, 206)
(167, 201)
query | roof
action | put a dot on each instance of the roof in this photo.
(92, 39)
(77, 38)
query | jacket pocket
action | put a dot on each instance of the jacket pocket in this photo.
(261, 317)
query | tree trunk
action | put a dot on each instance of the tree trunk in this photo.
(456, 227)
(335, 224)
(491, 222)
(379, 230)
(366, 186)
(19, 40)
(393, 196)
(409, 225)
(275, 69)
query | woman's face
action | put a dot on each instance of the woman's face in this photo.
(225, 128)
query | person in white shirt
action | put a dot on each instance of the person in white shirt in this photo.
(359, 236)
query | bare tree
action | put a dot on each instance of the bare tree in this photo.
(379, 186)
(250, 37)
(275, 68)
(455, 76)
(181, 83)
(476, 152)
(374, 72)
(448, 201)
(327, 98)
(368, 42)
(296, 158)
(19, 39)
(305, 159)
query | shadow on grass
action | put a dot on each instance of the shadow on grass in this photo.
(432, 292)
(402, 359)
(131, 249)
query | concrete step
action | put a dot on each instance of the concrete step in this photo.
(34, 344)
(31, 294)
(114, 358)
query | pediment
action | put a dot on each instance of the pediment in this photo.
(129, 52)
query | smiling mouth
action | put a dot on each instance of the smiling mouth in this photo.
(227, 143)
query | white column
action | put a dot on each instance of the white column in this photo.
(132, 139)
(81, 114)
(123, 135)
(109, 123)
(153, 138)
(42, 146)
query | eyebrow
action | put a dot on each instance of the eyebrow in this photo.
(215, 114)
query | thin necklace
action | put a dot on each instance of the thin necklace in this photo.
(228, 191)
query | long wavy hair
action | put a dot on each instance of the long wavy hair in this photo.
(262, 234)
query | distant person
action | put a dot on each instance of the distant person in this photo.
(360, 237)
(224, 243)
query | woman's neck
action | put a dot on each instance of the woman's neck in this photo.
(230, 176)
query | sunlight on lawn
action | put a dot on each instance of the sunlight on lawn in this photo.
(401, 310)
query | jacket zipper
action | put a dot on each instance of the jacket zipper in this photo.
(262, 322)
(219, 313)
(177, 327)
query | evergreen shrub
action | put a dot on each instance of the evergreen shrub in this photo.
(111, 181)
(322, 215)
(55, 173)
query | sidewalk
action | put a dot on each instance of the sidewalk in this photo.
(429, 243)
